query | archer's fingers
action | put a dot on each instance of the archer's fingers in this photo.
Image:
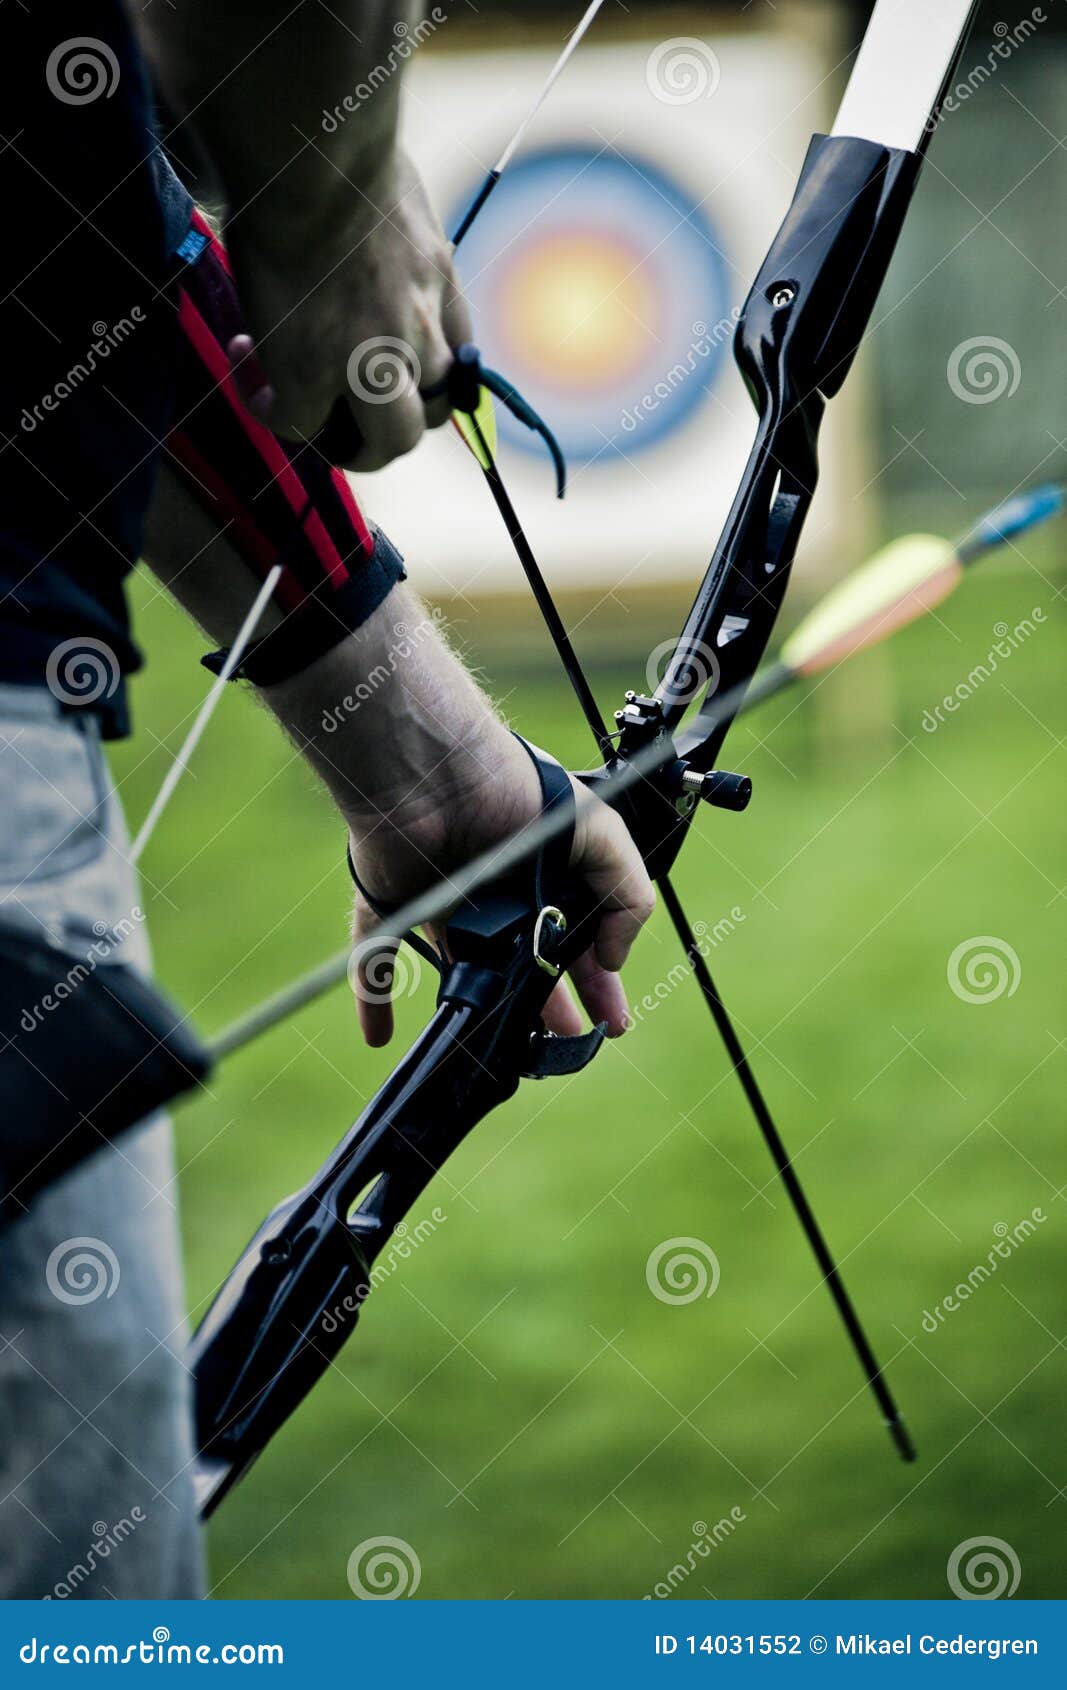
(613, 868)
(601, 993)
(249, 378)
(386, 378)
(370, 974)
(561, 1013)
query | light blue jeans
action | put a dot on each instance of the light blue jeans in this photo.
(95, 1411)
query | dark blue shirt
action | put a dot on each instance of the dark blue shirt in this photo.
(91, 219)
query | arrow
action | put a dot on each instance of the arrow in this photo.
(491, 180)
(897, 586)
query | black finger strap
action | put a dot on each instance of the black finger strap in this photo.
(552, 862)
(414, 941)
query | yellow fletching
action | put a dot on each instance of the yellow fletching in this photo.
(485, 416)
(898, 585)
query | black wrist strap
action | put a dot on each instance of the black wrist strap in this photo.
(323, 619)
(557, 793)
(550, 866)
(414, 941)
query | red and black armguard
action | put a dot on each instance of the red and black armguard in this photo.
(278, 501)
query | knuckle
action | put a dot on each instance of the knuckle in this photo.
(644, 903)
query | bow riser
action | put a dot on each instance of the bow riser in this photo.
(796, 339)
(295, 1296)
(795, 342)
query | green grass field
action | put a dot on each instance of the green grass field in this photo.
(517, 1406)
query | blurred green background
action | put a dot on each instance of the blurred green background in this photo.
(516, 1405)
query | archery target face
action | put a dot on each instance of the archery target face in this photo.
(604, 277)
(595, 279)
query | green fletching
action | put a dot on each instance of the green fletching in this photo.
(896, 587)
(485, 416)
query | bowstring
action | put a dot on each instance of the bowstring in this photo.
(207, 709)
(231, 663)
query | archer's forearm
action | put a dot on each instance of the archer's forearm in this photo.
(254, 77)
(391, 720)
(387, 718)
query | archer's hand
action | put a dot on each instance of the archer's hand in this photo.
(412, 847)
(361, 306)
